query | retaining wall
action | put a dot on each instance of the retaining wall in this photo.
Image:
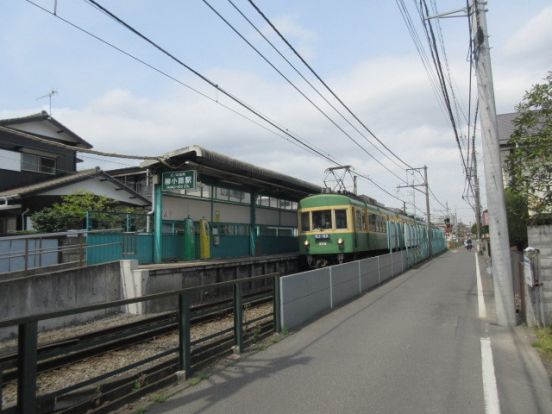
(147, 280)
(57, 291)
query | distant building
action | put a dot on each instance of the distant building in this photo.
(485, 218)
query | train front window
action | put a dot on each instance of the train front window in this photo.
(340, 219)
(305, 222)
(322, 220)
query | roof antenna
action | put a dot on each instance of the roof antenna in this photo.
(49, 95)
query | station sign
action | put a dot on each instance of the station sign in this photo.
(179, 180)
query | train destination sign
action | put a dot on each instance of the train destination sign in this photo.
(179, 180)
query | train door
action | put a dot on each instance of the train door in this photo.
(357, 225)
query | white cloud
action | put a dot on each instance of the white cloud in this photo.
(397, 104)
(532, 41)
(300, 37)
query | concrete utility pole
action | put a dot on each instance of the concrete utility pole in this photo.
(477, 197)
(498, 226)
(426, 192)
(429, 238)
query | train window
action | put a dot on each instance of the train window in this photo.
(305, 222)
(340, 219)
(322, 219)
(379, 224)
(372, 222)
(358, 220)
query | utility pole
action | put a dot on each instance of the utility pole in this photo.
(498, 226)
(428, 224)
(477, 197)
(426, 192)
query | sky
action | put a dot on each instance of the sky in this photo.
(362, 49)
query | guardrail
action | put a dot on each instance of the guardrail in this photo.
(27, 341)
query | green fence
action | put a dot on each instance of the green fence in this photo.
(227, 240)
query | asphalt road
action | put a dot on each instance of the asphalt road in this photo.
(410, 346)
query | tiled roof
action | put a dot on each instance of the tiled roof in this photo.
(505, 127)
(65, 180)
(55, 182)
(44, 116)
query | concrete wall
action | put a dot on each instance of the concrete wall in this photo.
(138, 282)
(540, 237)
(178, 208)
(288, 218)
(306, 295)
(231, 213)
(267, 216)
(60, 290)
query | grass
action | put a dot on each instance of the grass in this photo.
(159, 398)
(198, 379)
(544, 343)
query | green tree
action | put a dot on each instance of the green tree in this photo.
(517, 216)
(530, 161)
(71, 213)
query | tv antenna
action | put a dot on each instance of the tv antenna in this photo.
(49, 96)
(336, 176)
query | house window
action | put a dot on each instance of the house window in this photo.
(37, 163)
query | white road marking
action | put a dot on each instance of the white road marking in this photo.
(480, 297)
(490, 391)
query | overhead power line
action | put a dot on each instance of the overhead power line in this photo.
(323, 82)
(237, 32)
(168, 76)
(205, 78)
(263, 117)
(210, 82)
(308, 82)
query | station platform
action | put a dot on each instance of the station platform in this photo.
(209, 263)
(413, 345)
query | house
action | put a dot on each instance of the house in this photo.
(26, 161)
(35, 170)
(505, 129)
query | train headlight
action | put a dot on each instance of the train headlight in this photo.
(306, 243)
(340, 241)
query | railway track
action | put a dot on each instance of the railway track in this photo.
(58, 354)
(98, 372)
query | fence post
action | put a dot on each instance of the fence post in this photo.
(39, 252)
(26, 368)
(359, 278)
(26, 254)
(238, 317)
(81, 250)
(184, 351)
(276, 304)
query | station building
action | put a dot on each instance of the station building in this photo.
(248, 210)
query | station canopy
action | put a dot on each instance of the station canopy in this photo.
(216, 168)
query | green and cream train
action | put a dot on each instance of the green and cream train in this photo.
(334, 228)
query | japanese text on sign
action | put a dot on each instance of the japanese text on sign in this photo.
(179, 180)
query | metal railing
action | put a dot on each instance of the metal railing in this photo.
(27, 341)
(34, 251)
